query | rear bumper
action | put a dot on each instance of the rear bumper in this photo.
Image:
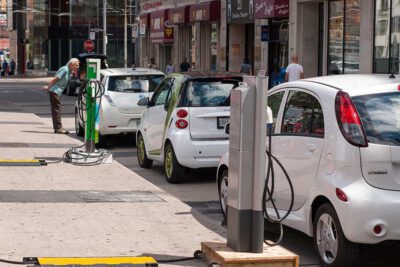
(198, 154)
(114, 122)
(368, 207)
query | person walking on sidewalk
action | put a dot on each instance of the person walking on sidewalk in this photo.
(294, 71)
(56, 88)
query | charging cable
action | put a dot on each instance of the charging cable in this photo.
(269, 189)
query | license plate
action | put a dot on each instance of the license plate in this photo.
(221, 122)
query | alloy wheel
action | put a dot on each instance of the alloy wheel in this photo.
(327, 238)
(169, 167)
(223, 192)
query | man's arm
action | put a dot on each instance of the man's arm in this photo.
(52, 82)
(286, 77)
(302, 75)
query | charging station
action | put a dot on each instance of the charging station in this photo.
(92, 95)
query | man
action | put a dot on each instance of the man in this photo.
(152, 64)
(246, 68)
(56, 88)
(184, 67)
(294, 71)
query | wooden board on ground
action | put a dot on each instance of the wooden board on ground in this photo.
(220, 253)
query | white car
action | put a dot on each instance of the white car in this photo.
(124, 87)
(339, 139)
(183, 125)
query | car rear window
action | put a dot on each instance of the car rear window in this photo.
(209, 93)
(380, 115)
(134, 84)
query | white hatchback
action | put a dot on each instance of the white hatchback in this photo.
(183, 124)
(339, 139)
(123, 88)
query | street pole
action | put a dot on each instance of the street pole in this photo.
(125, 36)
(137, 43)
(105, 27)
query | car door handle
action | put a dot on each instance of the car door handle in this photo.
(310, 147)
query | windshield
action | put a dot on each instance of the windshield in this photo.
(380, 115)
(209, 93)
(134, 84)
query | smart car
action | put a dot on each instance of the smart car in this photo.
(338, 138)
(183, 124)
(123, 87)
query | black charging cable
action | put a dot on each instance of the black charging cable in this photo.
(269, 190)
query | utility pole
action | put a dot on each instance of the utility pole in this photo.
(137, 42)
(105, 27)
(125, 36)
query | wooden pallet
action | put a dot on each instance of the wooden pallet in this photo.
(219, 253)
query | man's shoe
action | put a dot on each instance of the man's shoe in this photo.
(61, 131)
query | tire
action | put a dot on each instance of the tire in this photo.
(223, 192)
(78, 128)
(144, 162)
(173, 171)
(332, 247)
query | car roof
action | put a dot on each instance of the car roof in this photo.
(354, 84)
(206, 74)
(130, 71)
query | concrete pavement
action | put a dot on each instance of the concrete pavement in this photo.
(62, 210)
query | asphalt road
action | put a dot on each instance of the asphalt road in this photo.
(199, 190)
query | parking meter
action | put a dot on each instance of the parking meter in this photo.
(92, 105)
(247, 154)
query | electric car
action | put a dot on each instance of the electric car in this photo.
(338, 137)
(119, 112)
(183, 124)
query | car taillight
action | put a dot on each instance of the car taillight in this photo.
(181, 124)
(349, 120)
(182, 113)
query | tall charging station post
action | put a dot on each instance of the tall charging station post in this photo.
(92, 105)
(247, 165)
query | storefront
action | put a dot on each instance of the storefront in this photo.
(179, 17)
(204, 46)
(162, 37)
(274, 17)
(241, 33)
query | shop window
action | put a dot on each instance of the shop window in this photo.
(344, 37)
(387, 40)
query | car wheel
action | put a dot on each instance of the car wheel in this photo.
(78, 128)
(334, 250)
(174, 172)
(144, 162)
(223, 192)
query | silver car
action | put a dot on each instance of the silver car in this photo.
(123, 88)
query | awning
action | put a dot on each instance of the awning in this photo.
(179, 15)
(208, 11)
(266, 9)
(159, 33)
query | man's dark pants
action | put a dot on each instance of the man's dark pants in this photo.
(55, 110)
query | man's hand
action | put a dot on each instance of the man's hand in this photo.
(45, 88)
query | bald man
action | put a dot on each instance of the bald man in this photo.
(294, 71)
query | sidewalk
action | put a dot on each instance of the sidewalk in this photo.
(62, 210)
(12, 79)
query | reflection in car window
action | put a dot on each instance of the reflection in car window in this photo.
(380, 116)
(303, 115)
(274, 102)
(208, 94)
(134, 84)
(162, 92)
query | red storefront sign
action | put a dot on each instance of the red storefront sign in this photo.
(265, 9)
(208, 11)
(179, 15)
(159, 33)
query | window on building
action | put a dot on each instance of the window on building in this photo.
(387, 36)
(344, 36)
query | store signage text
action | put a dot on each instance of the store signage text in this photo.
(271, 8)
(240, 11)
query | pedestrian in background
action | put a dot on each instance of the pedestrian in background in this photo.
(56, 88)
(4, 67)
(294, 71)
(246, 68)
(12, 67)
(170, 67)
(184, 66)
(152, 64)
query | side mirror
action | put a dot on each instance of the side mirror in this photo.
(144, 102)
(227, 128)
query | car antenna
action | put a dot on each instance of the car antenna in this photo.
(392, 76)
